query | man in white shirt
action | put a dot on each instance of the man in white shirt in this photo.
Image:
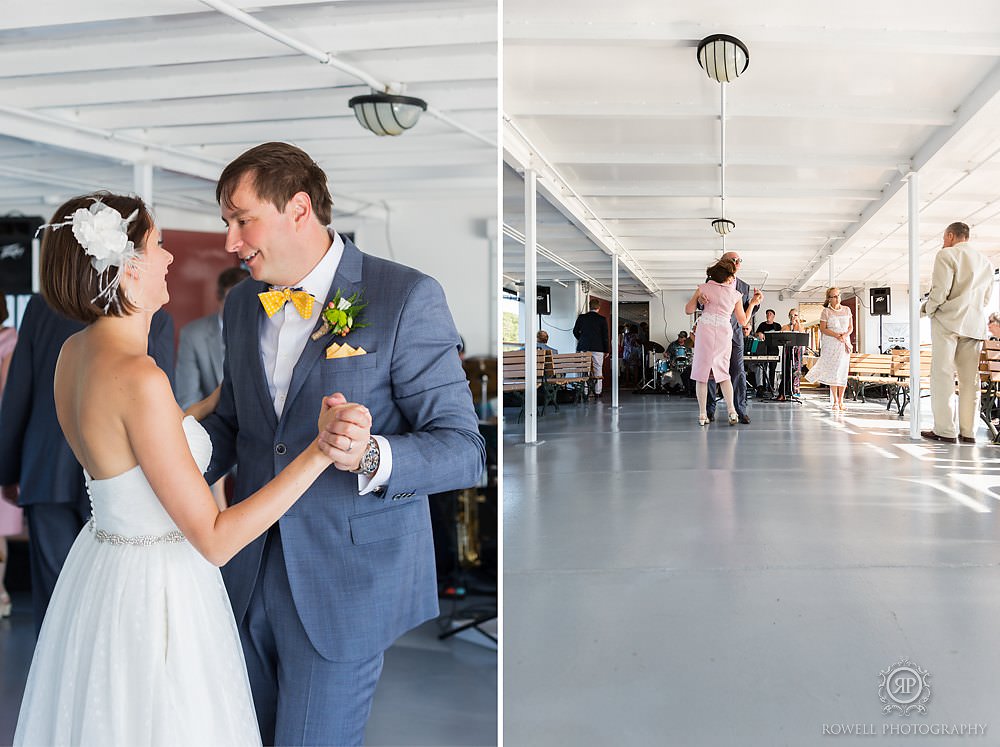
(961, 287)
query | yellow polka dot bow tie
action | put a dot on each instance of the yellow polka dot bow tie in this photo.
(274, 299)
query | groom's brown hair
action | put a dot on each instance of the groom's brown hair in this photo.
(278, 172)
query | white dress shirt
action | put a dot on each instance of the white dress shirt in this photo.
(283, 337)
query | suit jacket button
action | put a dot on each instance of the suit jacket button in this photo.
(280, 449)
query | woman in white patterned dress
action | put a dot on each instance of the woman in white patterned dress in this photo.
(836, 323)
(139, 645)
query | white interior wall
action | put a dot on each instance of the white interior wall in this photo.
(559, 324)
(447, 239)
(899, 305)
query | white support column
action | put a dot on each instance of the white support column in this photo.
(142, 180)
(493, 287)
(914, 295)
(614, 330)
(530, 317)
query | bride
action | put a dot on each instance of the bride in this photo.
(139, 645)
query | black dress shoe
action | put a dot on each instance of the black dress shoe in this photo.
(966, 439)
(711, 417)
(745, 419)
(932, 436)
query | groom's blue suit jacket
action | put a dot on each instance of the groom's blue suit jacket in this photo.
(360, 567)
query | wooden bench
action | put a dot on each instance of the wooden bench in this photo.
(869, 370)
(899, 394)
(989, 384)
(571, 371)
(515, 376)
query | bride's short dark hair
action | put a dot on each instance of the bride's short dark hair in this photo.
(69, 283)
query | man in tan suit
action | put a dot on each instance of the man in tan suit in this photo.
(961, 288)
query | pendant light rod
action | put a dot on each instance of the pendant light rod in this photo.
(722, 118)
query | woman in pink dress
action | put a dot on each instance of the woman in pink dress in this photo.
(10, 516)
(719, 300)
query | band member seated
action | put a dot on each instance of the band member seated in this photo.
(765, 379)
(679, 359)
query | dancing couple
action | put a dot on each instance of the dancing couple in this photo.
(343, 405)
(721, 302)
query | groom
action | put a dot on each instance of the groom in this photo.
(350, 567)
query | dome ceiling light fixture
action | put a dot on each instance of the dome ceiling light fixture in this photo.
(387, 113)
(723, 226)
(723, 58)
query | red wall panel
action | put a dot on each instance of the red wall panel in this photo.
(199, 257)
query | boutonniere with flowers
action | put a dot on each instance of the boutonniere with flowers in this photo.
(339, 318)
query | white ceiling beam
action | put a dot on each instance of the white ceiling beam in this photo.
(520, 153)
(642, 154)
(622, 215)
(663, 188)
(40, 129)
(756, 109)
(978, 101)
(539, 31)
(552, 258)
(326, 151)
(293, 130)
(464, 62)
(314, 103)
(36, 128)
(38, 15)
(206, 39)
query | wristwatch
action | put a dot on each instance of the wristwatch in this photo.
(370, 460)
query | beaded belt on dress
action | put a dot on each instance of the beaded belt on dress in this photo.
(714, 320)
(119, 539)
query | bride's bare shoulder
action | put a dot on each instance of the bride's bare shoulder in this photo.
(142, 379)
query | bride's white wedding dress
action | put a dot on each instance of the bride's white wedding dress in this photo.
(139, 645)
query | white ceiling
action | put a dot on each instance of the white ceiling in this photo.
(607, 102)
(89, 89)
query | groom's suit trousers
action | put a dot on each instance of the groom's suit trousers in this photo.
(322, 702)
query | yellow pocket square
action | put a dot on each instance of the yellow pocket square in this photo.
(336, 350)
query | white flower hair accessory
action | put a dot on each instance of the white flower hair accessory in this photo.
(103, 234)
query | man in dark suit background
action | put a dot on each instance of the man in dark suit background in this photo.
(591, 333)
(737, 372)
(37, 468)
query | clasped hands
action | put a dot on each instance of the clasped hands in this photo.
(344, 430)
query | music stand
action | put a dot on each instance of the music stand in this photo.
(786, 341)
(648, 346)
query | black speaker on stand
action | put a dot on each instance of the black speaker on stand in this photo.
(543, 299)
(879, 300)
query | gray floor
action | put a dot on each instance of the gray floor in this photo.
(431, 692)
(672, 585)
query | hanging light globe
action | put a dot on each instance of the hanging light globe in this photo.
(724, 58)
(387, 113)
(723, 226)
